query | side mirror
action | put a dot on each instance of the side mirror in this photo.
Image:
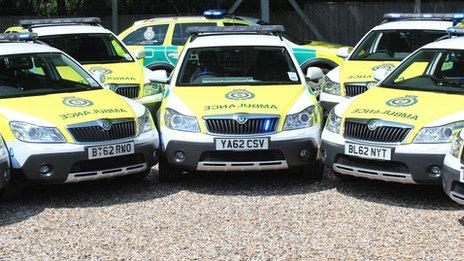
(99, 76)
(343, 52)
(160, 76)
(139, 54)
(314, 73)
(381, 74)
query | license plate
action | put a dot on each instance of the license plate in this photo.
(108, 151)
(242, 144)
(369, 152)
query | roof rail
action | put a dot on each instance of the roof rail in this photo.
(18, 37)
(60, 21)
(456, 31)
(452, 17)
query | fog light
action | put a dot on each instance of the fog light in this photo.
(435, 171)
(179, 156)
(303, 153)
(46, 170)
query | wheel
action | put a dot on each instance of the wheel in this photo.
(168, 172)
(11, 190)
(343, 177)
(314, 171)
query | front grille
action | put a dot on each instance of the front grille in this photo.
(95, 133)
(242, 156)
(251, 126)
(377, 165)
(352, 90)
(107, 163)
(385, 134)
(129, 91)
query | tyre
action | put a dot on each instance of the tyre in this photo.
(11, 190)
(168, 172)
(314, 171)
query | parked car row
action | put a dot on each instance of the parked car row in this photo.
(234, 98)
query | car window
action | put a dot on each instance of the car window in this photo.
(180, 35)
(430, 70)
(33, 74)
(393, 45)
(148, 35)
(248, 65)
(90, 48)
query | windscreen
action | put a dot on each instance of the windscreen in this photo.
(90, 48)
(430, 70)
(237, 65)
(393, 45)
(35, 74)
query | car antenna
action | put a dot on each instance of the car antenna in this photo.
(175, 7)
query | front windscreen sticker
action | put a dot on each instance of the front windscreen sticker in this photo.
(149, 34)
(293, 76)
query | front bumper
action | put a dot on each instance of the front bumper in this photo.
(70, 162)
(328, 101)
(409, 164)
(453, 185)
(200, 153)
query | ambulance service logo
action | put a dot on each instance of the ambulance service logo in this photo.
(405, 101)
(100, 70)
(76, 102)
(240, 95)
(387, 67)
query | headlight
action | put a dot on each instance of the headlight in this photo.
(440, 134)
(36, 134)
(177, 121)
(456, 147)
(333, 122)
(152, 88)
(145, 122)
(300, 120)
(111, 86)
(329, 86)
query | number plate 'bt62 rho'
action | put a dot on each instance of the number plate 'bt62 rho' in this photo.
(107, 151)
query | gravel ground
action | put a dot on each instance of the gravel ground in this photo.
(232, 216)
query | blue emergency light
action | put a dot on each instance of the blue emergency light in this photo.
(18, 37)
(456, 31)
(57, 21)
(214, 14)
(453, 17)
(264, 29)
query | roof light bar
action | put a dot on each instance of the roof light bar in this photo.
(214, 14)
(79, 20)
(265, 29)
(18, 37)
(456, 31)
(454, 17)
